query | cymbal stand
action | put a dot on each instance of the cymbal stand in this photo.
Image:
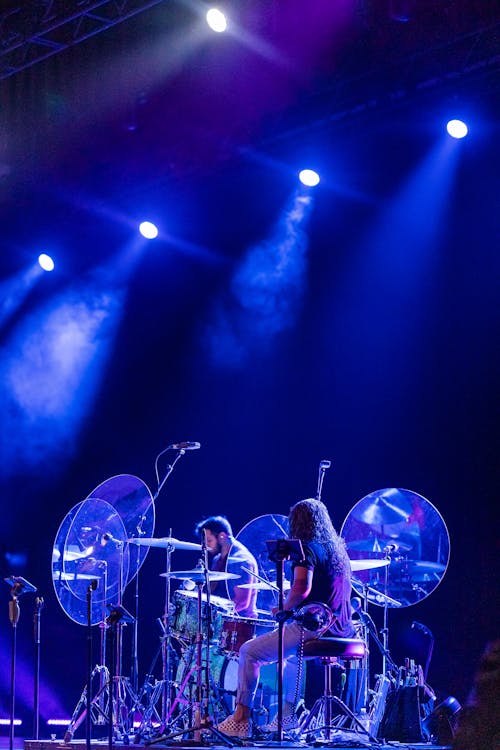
(97, 706)
(390, 549)
(201, 721)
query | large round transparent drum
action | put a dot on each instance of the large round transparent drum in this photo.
(254, 536)
(406, 531)
(92, 550)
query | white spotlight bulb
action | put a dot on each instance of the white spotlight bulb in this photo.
(309, 177)
(216, 20)
(457, 129)
(45, 262)
(148, 230)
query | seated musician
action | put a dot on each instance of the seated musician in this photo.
(323, 576)
(233, 557)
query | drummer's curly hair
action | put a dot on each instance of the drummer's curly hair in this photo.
(310, 522)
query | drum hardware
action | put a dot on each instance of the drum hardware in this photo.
(201, 723)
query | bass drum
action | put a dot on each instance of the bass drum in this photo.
(223, 685)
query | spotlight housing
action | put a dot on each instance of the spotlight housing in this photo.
(45, 262)
(309, 177)
(216, 20)
(148, 230)
(457, 128)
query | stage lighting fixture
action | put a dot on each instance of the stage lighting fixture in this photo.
(309, 177)
(216, 20)
(46, 262)
(457, 128)
(148, 230)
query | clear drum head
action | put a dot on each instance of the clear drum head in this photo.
(253, 536)
(404, 529)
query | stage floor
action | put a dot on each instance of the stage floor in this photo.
(339, 744)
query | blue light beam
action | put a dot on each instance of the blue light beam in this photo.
(266, 290)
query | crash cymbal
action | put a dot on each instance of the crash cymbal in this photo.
(164, 543)
(368, 564)
(199, 575)
(387, 507)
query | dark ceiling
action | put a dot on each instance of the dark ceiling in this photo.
(387, 364)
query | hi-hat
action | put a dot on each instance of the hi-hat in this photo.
(199, 575)
(368, 564)
(164, 543)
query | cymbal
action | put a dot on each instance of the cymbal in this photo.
(164, 543)
(391, 506)
(264, 586)
(368, 564)
(199, 575)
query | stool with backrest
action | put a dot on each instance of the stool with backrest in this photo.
(332, 652)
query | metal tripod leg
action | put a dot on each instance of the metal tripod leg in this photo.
(98, 704)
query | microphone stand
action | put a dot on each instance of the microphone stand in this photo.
(39, 605)
(323, 466)
(19, 586)
(165, 644)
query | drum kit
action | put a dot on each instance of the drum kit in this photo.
(399, 549)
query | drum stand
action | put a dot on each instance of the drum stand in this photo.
(201, 717)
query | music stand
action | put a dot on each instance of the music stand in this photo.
(281, 550)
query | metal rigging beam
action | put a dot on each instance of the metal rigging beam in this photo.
(33, 31)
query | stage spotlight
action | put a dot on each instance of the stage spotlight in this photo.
(457, 128)
(46, 262)
(216, 20)
(309, 177)
(148, 230)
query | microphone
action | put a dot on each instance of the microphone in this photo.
(187, 446)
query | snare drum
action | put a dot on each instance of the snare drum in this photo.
(235, 631)
(185, 619)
